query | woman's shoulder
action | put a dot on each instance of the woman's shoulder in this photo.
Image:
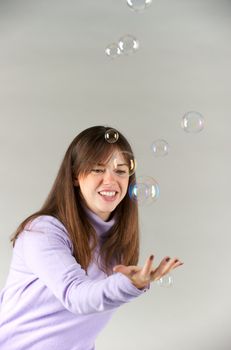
(49, 225)
(44, 223)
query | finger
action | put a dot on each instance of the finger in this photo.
(166, 265)
(173, 263)
(121, 268)
(117, 267)
(147, 266)
(177, 264)
(134, 270)
(162, 269)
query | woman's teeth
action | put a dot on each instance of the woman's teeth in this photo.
(109, 194)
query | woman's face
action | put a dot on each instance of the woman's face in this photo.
(104, 187)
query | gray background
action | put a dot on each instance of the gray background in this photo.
(56, 81)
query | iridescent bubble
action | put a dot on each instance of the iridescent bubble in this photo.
(160, 148)
(145, 190)
(128, 44)
(124, 163)
(139, 192)
(139, 5)
(111, 135)
(192, 122)
(113, 50)
(165, 281)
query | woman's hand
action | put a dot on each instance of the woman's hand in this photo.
(141, 277)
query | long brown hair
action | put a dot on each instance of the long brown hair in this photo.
(64, 202)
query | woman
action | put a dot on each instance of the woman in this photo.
(74, 261)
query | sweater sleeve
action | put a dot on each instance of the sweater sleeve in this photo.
(47, 253)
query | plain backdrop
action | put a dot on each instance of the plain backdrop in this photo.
(56, 81)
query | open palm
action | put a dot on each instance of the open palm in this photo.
(142, 276)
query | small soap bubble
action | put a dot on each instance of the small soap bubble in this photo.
(113, 50)
(111, 135)
(139, 5)
(160, 148)
(124, 163)
(165, 281)
(192, 122)
(145, 190)
(128, 44)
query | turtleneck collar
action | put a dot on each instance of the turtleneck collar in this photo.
(101, 227)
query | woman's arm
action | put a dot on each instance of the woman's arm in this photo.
(48, 255)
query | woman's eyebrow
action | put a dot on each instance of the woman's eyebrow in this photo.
(104, 164)
(122, 164)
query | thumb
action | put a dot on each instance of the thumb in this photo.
(126, 270)
(118, 268)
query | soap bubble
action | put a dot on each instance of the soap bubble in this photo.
(120, 163)
(128, 44)
(145, 190)
(192, 122)
(160, 148)
(165, 281)
(113, 50)
(128, 167)
(111, 135)
(139, 5)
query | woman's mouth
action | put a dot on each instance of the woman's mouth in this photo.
(108, 196)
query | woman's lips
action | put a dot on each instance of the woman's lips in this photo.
(108, 196)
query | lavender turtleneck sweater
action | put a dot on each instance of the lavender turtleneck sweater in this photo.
(49, 302)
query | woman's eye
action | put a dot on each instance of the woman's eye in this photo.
(97, 171)
(121, 172)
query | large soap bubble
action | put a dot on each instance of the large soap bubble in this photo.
(192, 122)
(160, 148)
(127, 164)
(145, 190)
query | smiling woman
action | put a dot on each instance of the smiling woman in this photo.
(76, 188)
(104, 187)
(74, 260)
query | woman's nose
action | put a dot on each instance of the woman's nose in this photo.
(108, 176)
